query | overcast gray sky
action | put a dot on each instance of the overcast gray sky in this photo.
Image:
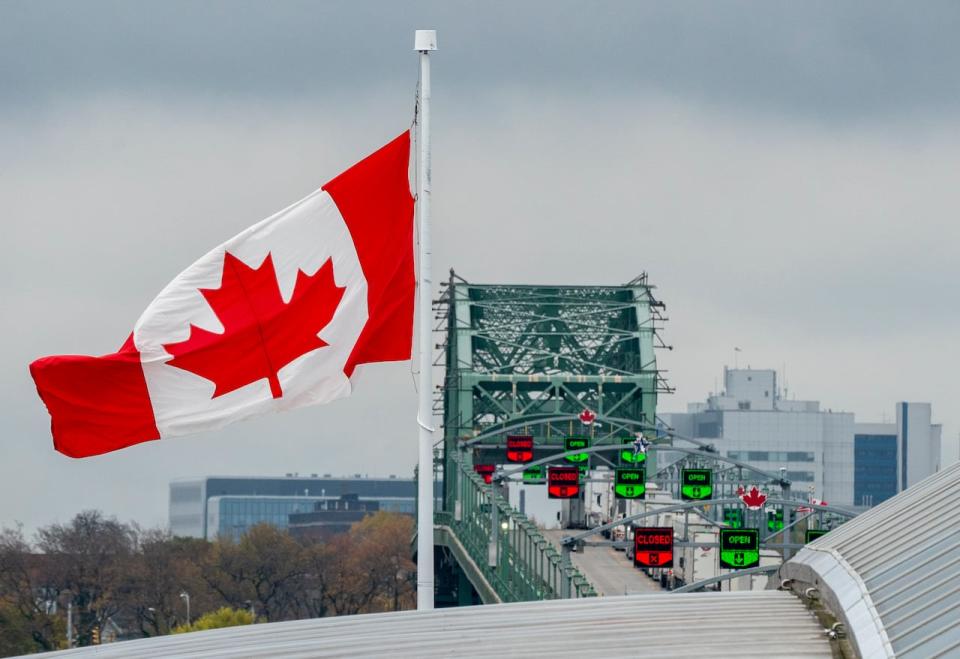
(786, 173)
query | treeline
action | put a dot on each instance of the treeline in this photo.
(120, 581)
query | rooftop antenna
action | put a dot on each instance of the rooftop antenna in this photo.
(784, 379)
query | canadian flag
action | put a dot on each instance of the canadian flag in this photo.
(277, 317)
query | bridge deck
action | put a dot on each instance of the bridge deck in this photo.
(607, 569)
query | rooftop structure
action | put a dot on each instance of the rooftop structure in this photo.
(750, 624)
(892, 575)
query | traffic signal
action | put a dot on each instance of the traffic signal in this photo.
(733, 517)
(95, 636)
(775, 520)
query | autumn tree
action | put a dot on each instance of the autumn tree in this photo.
(266, 567)
(367, 569)
(27, 623)
(109, 571)
(86, 563)
(164, 568)
(382, 543)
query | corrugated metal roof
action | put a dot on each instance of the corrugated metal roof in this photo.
(749, 624)
(893, 573)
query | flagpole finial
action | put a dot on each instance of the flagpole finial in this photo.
(425, 40)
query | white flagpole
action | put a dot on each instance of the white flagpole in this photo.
(424, 42)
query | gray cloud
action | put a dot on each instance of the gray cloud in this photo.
(785, 177)
(822, 60)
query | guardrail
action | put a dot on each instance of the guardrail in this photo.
(527, 566)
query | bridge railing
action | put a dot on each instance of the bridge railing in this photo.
(528, 566)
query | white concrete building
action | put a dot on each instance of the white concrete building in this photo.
(751, 421)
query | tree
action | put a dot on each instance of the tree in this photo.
(163, 568)
(367, 569)
(266, 568)
(26, 621)
(222, 617)
(87, 561)
(382, 543)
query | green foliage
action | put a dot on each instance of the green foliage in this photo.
(222, 617)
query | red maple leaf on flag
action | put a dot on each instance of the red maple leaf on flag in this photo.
(261, 332)
(587, 417)
(754, 499)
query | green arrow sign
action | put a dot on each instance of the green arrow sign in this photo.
(574, 443)
(630, 483)
(739, 548)
(696, 484)
(536, 473)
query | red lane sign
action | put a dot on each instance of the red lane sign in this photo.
(519, 448)
(653, 546)
(563, 482)
(486, 471)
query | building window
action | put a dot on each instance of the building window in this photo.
(744, 405)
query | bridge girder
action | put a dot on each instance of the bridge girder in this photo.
(517, 353)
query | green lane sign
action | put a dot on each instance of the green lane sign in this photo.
(629, 455)
(630, 483)
(574, 443)
(696, 484)
(534, 474)
(739, 548)
(813, 534)
(733, 517)
(775, 520)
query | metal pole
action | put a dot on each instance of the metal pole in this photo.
(493, 546)
(185, 596)
(424, 42)
(69, 624)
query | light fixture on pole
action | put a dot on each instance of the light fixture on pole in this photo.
(185, 596)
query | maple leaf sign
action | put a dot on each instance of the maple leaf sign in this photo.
(261, 332)
(754, 499)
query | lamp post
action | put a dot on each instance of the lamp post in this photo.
(185, 596)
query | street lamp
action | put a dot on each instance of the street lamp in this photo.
(185, 596)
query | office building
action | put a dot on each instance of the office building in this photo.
(226, 506)
(825, 452)
(890, 457)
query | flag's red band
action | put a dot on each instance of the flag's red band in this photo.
(374, 199)
(96, 404)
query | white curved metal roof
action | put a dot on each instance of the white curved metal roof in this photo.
(749, 624)
(893, 573)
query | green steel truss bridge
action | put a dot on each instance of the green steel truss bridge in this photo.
(530, 359)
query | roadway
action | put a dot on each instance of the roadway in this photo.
(606, 568)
